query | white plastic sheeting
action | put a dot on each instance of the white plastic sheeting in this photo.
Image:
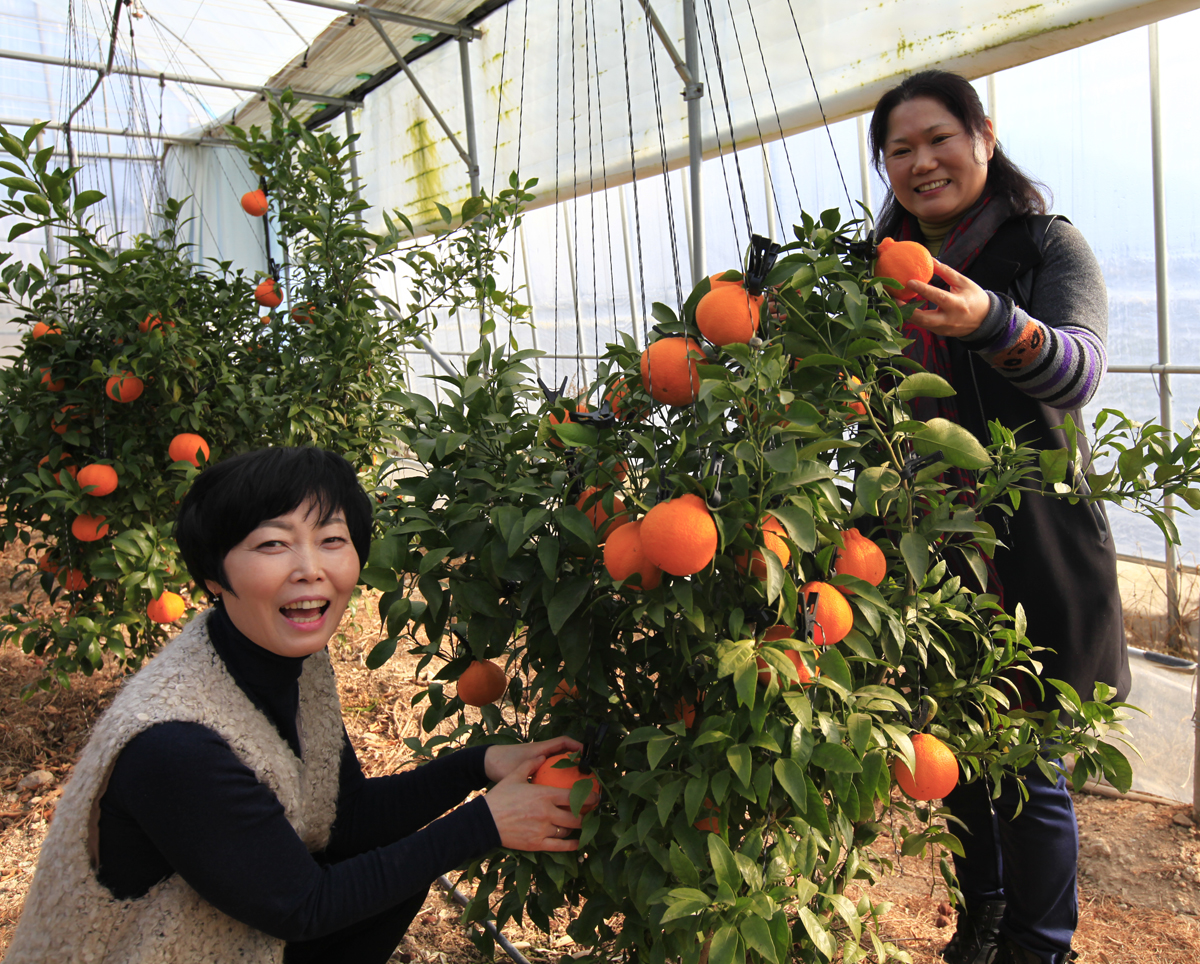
(551, 81)
(1163, 733)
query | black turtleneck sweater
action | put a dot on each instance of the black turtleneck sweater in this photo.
(180, 801)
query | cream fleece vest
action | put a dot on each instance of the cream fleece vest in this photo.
(69, 916)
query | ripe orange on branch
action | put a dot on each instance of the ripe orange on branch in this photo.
(41, 328)
(728, 314)
(564, 778)
(904, 261)
(668, 372)
(89, 528)
(772, 533)
(679, 535)
(124, 387)
(254, 203)
(591, 504)
(625, 558)
(50, 383)
(152, 321)
(766, 671)
(861, 558)
(166, 608)
(563, 691)
(833, 616)
(481, 683)
(186, 447)
(72, 580)
(267, 295)
(103, 478)
(936, 769)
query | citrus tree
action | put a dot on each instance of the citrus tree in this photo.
(747, 577)
(139, 365)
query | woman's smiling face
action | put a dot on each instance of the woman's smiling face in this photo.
(936, 167)
(291, 579)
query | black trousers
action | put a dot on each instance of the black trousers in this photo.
(370, 941)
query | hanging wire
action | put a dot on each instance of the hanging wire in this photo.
(574, 229)
(817, 94)
(712, 29)
(612, 277)
(737, 36)
(512, 276)
(587, 73)
(557, 130)
(637, 212)
(774, 104)
(662, 147)
(708, 84)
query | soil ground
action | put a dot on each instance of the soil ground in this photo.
(1139, 867)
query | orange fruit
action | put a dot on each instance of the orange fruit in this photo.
(254, 203)
(904, 261)
(685, 710)
(563, 691)
(679, 535)
(60, 425)
(125, 387)
(728, 314)
(186, 447)
(625, 558)
(481, 683)
(152, 321)
(166, 608)
(89, 528)
(266, 320)
(266, 295)
(668, 373)
(50, 383)
(714, 281)
(46, 562)
(303, 313)
(548, 775)
(766, 670)
(560, 414)
(833, 617)
(711, 822)
(772, 530)
(591, 504)
(71, 470)
(937, 769)
(41, 328)
(858, 408)
(72, 580)
(861, 558)
(616, 397)
(103, 477)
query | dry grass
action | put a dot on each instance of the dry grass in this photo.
(1119, 924)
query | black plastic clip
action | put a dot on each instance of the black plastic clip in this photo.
(806, 616)
(763, 252)
(603, 417)
(863, 249)
(589, 756)
(272, 268)
(918, 462)
(551, 394)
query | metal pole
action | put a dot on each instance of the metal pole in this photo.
(362, 10)
(769, 190)
(104, 70)
(687, 218)
(693, 91)
(1162, 299)
(633, 300)
(354, 182)
(537, 359)
(864, 164)
(118, 132)
(464, 56)
(993, 108)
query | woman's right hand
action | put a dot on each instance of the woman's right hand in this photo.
(532, 817)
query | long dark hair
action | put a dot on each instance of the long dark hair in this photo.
(955, 93)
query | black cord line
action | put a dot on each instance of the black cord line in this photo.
(774, 105)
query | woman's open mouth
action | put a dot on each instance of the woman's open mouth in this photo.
(933, 186)
(306, 611)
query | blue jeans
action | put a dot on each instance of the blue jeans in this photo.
(1029, 860)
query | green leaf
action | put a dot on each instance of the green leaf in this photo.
(914, 548)
(818, 934)
(835, 758)
(576, 435)
(1053, 464)
(85, 199)
(873, 483)
(791, 778)
(381, 653)
(724, 948)
(739, 761)
(958, 446)
(684, 902)
(723, 864)
(377, 578)
(567, 599)
(757, 936)
(801, 528)
(924, 385)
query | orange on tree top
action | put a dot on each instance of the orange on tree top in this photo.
(187, 447)
(89, 528)
(862, 558)
(833, 617)
(625, 558)
(254, 203)
(124, 387)
(669, 373)
(904, 261)
(679, 535)
(103, 478)
(267, 295)
(728, 314)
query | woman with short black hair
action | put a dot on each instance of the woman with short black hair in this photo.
(1016, 321)
(219, 812)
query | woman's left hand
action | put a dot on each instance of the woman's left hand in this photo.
(502, 759)
(956, 312)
